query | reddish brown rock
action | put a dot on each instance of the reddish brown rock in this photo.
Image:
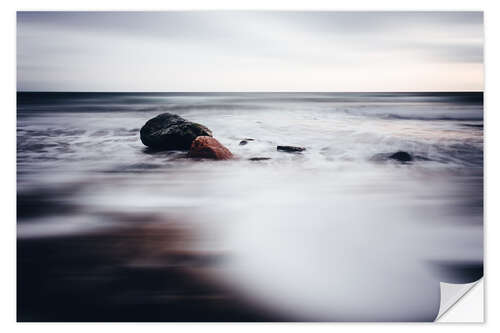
(208, 147)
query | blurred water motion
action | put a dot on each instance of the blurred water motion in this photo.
(108, 231)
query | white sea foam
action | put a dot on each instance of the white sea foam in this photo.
(327, 234)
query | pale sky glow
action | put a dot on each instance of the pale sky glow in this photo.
(249, 51)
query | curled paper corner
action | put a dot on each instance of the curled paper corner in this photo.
(451, 294)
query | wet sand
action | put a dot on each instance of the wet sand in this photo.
(133, 274)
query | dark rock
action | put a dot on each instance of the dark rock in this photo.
(208, 147)
(401, 156)
(171, 132)
(245, 141)
(290, 149)
(259, 158)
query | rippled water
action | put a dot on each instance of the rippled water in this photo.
(335, 233)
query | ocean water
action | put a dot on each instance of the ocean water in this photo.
(108, 230)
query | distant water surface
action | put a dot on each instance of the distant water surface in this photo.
(336, 233)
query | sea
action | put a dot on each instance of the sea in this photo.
(108, 230)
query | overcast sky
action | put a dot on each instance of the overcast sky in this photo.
(249, 51)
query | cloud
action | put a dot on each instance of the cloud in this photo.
(240, 50)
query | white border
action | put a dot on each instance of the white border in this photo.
(8, 123)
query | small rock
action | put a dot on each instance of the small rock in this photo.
(169, 131)
(259, 158)
(245, 141)
(290, 149)
(208, 147)
(401, 156)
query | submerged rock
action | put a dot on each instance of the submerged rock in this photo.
(290, 149)
(259, 158)
(169, 131)
(401, 156)
(208, 147)
(245, 141)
